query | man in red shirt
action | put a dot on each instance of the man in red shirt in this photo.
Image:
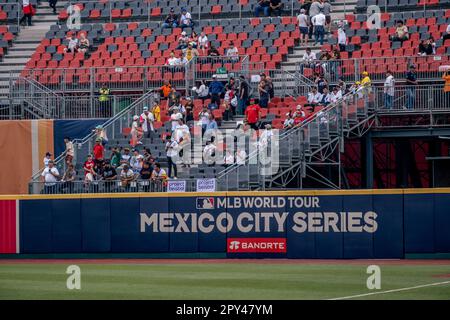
(253, 114)
(98, 152)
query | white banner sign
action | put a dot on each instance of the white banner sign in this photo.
(206, 185)
(176, 186)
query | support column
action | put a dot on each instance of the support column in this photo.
(367, 157)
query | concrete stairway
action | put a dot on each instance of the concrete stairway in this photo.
(25, 44)
(340, 8)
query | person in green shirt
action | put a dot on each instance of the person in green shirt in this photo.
(116, 156)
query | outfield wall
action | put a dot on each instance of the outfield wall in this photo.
(300, 224)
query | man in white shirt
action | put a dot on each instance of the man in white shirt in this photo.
(335, 95)
(47, 159)
(136, 161)
(326, 97)
(342, 37)
(126, 176)
(73, 45)
(172, 155)
(308, 59)
(173, 61)
(69, 150)
(389, 90)
(233, 52)
(303, 24)
(314, 97)
(176, 115)
(209, 153)
(50, 177)
(203, 117)
(146, 119)
(318, 21)
(185, 19)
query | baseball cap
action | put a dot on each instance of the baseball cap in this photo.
(145, 108)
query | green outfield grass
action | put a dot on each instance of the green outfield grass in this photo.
(219, 281)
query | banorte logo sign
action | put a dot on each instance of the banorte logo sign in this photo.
(256, 245)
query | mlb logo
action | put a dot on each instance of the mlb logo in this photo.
(205, 203)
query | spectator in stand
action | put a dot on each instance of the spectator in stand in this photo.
(190, 52)
(327, 9)
(146, 121)
(215, 89)
(212, 124)
(243, 95)
(342, 85)
(47, 159)
(126, 177)
(69, 150)
(159, 175)
(166, 89)
(411, 83)
(335, 95)
(136, 161)
(201, 91)
(145, 174)
(125, 158)
(318, 21)
(172, 60)
(209, 153)
(299, 116)
(228, 113)
(263, 90)
(109, 175)
(203, 117)
(84, 43)
(203, 43)
(175, 117)
(213, 52)
(342, 37)
(50, 177)
(136, 132)
(171, 20)
(72, 46)
(241, 155)
(446, 78)
(389, 90)
(89, 172)
(100, 133)
(314, 98)
(288, 122)
(264, 6)
(186, 19)
(228, 158)
(98, 152)
(182, 60)
(276, 7)
(309, 59)
(189, 107)
(105, 105)
(253, 114)
(52, 4)
(314, 10)
(401, 32)
(303, 24)
(326, 97)
(321, 83)
(28, 11)
(174, 97)
(156, 111)
(147, 156)
(233, 52)
(193, 39)
(116, 156)
(68, 179)
(183, 41)
(427, 47)
(446, 35)
(366, 82)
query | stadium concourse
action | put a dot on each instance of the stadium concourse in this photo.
(218, 81)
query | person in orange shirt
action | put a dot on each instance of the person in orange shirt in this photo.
(446, 77)
(166, 89)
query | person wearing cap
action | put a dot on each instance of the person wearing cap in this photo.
(276, 7)
(215, 89)
(262, 6)
(98, 152)
(342, 37)
(183, 41)
(303, 25)
(171, 20)
(190, 52)
(411, 83)
(156, 111)
(186, 19)
(100, 133)
(50, 177)
(136, 132)
(159, 175)
(125, 157)
(366, 82)
(136, 161)
(126, 176)
(109, 174)
(319, 21)
(232, 52)
(47, 158)
(89, 172)
(104, 101)
(146, 120)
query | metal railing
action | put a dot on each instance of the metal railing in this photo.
(427, 68)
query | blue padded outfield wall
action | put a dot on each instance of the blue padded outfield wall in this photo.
(310, 224)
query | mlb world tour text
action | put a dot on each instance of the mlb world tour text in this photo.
(259, 214)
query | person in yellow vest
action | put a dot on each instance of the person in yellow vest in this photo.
(366, 83)
(190, 52)
(156, 110)
(104, 101)
(446, 77)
